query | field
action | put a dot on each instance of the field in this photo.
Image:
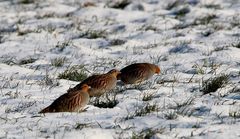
(47, 47)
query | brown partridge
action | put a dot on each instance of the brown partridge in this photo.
(73, 101)
(99, 83)
(137, 72)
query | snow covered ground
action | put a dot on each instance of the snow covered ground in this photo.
(195, 42)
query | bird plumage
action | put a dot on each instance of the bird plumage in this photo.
(73, 101)
(99, 83)
(138, 72)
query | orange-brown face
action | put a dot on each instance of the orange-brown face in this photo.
(157, 70)
(85, 87)
(114, 72)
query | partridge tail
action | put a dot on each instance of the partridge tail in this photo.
(46, 110)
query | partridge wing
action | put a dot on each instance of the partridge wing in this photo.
(66, 101)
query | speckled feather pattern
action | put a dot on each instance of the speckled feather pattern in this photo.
(138, 72)
(73, 101)
(99, 83)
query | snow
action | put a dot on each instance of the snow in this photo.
(189, 48)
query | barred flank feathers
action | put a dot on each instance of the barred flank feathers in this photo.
(138, 72)
(70, 102)
(99, 83)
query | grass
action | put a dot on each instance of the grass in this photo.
(147, 27)
(26, 1)
(117, 42)
(235, 20)
(58, 62)
(186, 111)
(143, 110)
(9, 60)
(212, 64)
(62, 45)
(207, 33)
(237, 45)
(146, 109)
(93, 34)
(172, 4)
(235, 89)
(181, 12)
(48, 81)
(208, 64)
(147, 133)
(80, 126)
(107, 101)
(158, 58)
(119, 4)
(147, 96)
(182, 48)
(74, 73)
(214, 83)
(1, 39)
(105, 63)
(22, 32)
(186, 102)
(199, 68)
(46, 15)
(13, 94)
(212, 6)
(20, 107)
(184, 107)
(234, 113)
(27, 61)
(205, 19)
(220, 48)
(170, 115)
(196, 125)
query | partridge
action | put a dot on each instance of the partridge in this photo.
(99, 83)
(137, 72)
(73, 101)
